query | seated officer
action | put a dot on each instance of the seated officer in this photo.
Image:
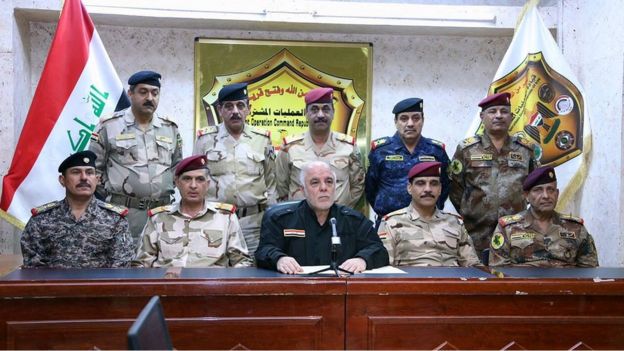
(422, 235)
(193, 232)
(540, 236)
(79, 231)
(300, 233)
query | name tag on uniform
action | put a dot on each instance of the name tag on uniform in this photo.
(522, 236)
(164, 139)
(294, 233)
(515, 156)
(567, 235)
(394, 158)
(426, 158)
(125, 136)
(482, 157)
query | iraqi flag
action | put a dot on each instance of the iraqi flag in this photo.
(547, 101)
(78, 85)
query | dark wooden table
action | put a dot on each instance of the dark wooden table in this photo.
(427, 308)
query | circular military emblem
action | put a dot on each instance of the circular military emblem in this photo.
(537, 152)
(497, 241)
(456, 167)
(564, 105)
(85, 160)
(546, 93)
(564, 140)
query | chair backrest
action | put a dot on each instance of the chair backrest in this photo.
(149, 331)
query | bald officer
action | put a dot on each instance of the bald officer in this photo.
(540, 236)
(421, 234)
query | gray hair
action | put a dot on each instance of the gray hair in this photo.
(314, 164)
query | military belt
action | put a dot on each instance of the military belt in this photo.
(139, 203)
(250, 210)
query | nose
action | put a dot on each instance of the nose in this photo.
(193, 184)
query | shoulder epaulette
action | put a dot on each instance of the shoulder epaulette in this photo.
(345, 138)
(223, 207)
(439, 143)
(524, 141)
(43, 208)
(167, 119)
(395, 213)
(159, 209)
(120, 210)
(292, 138)
(262, 132)
(469, 141)
(459, 218)
(572, 218)
(207, 130)
(379, 142)
(113, 115)
(507, 220)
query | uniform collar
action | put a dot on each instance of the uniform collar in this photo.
(130, 119)
(329, 144)
(398, 143)
(414, 215)
(89, 211)
(223, 132)
(208, 206)
(487, 142)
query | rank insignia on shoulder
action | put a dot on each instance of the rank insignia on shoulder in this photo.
(345, 138)
(43, 208)
(469, 141)
(292, 138)
(378, 142)
(294, 233)
(159, 209)
(497, 241)
(228, 208)
(262, 132)
(459, 218)
(394, 158)
(395, 213)
(456, 167)
(439, 143)
(507, 220)
(569, 217)
(120, 210)
(112, 116)
(207, 130)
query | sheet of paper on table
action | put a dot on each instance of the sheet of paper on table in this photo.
(382, 270)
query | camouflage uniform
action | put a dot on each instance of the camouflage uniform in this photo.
(516, 241)
(211, 238)
(414, 241)
(136, 165)
(99, 239)
(243, 174)
(339, 151)
(487, 184)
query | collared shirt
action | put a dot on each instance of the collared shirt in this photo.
(292, 229)
(98, 239)
(389, 163)
(243, 169)
(518, 241)
(412, 240)
(486, 184)
(136, 162)
(343, 156)
(211, 238)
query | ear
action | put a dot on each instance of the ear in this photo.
(61, 179)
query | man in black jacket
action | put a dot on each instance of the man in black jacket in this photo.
(299, 234)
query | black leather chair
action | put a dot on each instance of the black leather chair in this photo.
(149, 331)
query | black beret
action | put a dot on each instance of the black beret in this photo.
(233, 92)
(82, 158)
(408, 105)
(145, 77)
(539, 176)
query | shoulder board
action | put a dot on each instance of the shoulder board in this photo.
(262, 132)
(207, 130)
(159, 209)
(223, 207)
(379, 142)
(120, 210)
(395, 213)
(345, 138)
(350, 211)
(507, 220)
(43, 208)
(469, 141)
(113, 115)
(526, 142)
(459, 218)
(438, 143)
(292, 138)
(572, 218)
(167, 119)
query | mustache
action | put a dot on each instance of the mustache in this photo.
(81, 184)
(148, 104)
(427, 194)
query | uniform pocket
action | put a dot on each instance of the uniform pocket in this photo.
(172, 244)
(217, 162)
(255, 164)
(126, 150)
(165, 149)
(451, 238)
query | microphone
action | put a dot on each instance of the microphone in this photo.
(335, 240)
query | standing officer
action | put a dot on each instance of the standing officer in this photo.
(320, 143)
(487, 171)
(241, 160)
(79, 231)
(193, 232)
(422, 235)
(137, 150)
(540, 236)
(391, 158)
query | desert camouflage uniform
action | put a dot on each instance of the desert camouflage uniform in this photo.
(136, 165)
(211, 238)
(99, 239)
(516, 241)
(242, 172)
(414, 241)
(487, 184)
(339, 151)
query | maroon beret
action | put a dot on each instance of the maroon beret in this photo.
(500, 99)
(539, 176)
(319, 95)
(191, 163)
(425, 169)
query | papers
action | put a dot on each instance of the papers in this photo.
(382, 270)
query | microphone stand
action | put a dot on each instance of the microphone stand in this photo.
(333, 265)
